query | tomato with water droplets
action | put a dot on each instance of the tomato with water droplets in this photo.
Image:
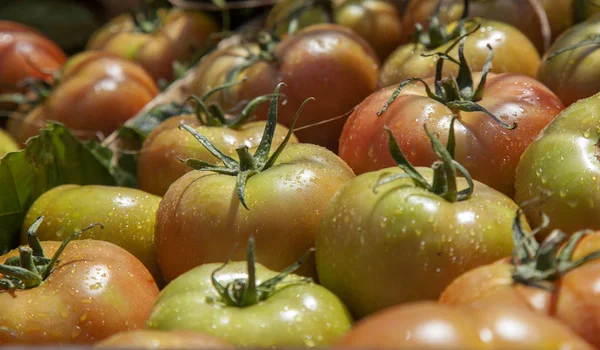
(152, 339)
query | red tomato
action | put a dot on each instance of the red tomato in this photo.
(489, 151)
(97, 93)
(26, 53)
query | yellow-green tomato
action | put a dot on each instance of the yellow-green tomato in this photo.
(201, 218)
(564, 161)
(403, 243)
(128, 216)
(7, 144)
(158, 166)
(297, 314)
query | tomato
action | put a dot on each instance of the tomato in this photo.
(128, 216)
(558, 278)
(97, 93)
(7, 144)
(328, 62)
(513, 52)
(571, 73)
(94, 290)
(403, 234)
(163, 37)
(149, 339)
(426, 325)
(26, 53)
(250, 305)
(482, 144)
(279, 199)
(377, 21)
(565, 161)
(167, 143)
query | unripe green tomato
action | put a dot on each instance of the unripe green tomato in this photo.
(128, 216)
(297, 314)
(403, 243)
(564, 161)
(7, 144)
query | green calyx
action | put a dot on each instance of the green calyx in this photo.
(539, 265)
(145, 16)
(31, 267)
(248, 165)
(592, 40)
(244, 291)
(293, 18)
(37, 91)
(213, 115)
(444, 171)
(437, 33)
(458, 94)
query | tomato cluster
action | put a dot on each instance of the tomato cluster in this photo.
(347, 173)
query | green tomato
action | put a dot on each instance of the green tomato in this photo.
(403, 243)
(128, 216)
(564, 161)
(297, 313)
(7, 144)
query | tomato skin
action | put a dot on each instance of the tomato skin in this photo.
(149, 339)
(326, 61)
(181, 35)
(297, 314)
(96, 290)
(481, 143)
(369, 236)
(427, 325)
(564, 160)
(575, 303)
(7, 144)
(128, 216)
(200, 218)
(571, 75)
(98, 92)
(165, 143)
(24, 53)
(513, 53)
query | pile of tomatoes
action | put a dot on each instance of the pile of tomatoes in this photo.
(347, 173)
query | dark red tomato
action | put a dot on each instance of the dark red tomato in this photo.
(97, 93)
(328, 62)
(26, 53)
(489, 151)
(176, 36)
(427, 325)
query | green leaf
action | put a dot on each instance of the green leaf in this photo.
(54, 157)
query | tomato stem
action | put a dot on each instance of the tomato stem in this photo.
(593, 39)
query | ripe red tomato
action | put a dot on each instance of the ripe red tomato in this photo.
(555, 279)
(328, 62)
(427, 325)
(26, 53)
(94, 290)
(97, 93)
(156, 42)
(486, 148)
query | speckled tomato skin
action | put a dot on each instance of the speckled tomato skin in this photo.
(564, 161)
(481, 143)
(98, 92)
(96, 290)
(25, 52)
(403, 243)
(201, 219)
(128, 216)
(427, 325)
(575, 303)
(572, 75)
(513, 53)
(328, 62)
(181, 35)
(158, 163)
(298, 314)
(152, 339)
